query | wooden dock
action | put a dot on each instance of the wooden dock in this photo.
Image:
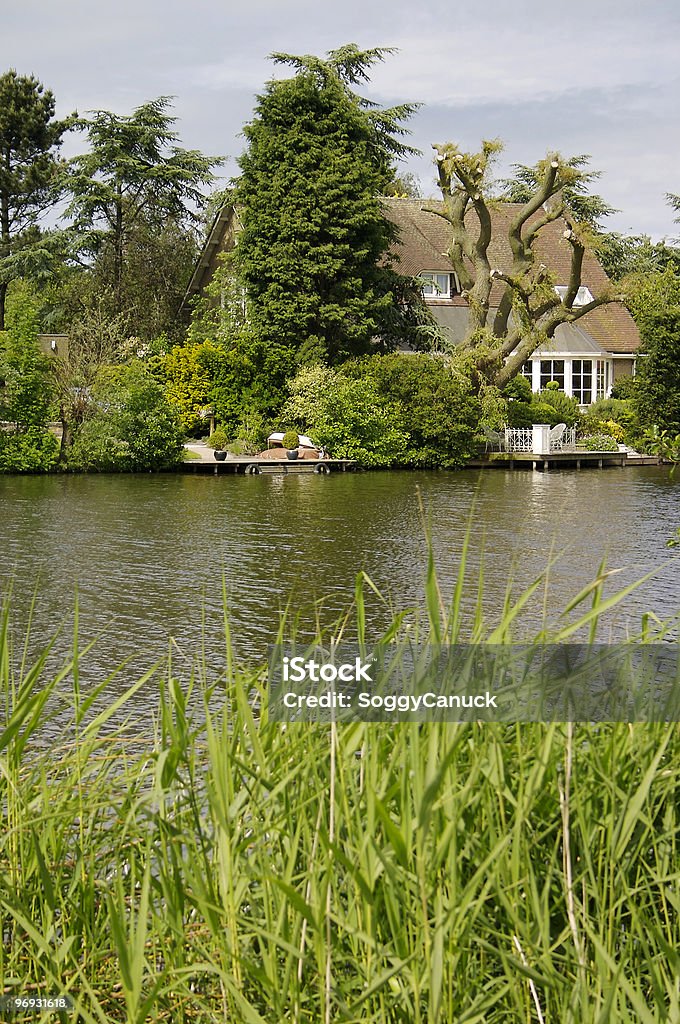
(252, 466)
(561, 460)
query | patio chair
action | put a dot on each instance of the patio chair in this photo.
(493, 439)
(557, 437)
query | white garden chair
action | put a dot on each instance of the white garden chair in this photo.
(557, 437)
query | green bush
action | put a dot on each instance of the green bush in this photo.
(348, 416)
(429, 400)
(218, 439)
(523, 414)
(134, 426)
(291, 440)
(624, 388)
(34, 450)
(566, 408)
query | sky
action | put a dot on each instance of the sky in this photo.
(597, 77)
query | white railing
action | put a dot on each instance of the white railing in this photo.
(522, 439)
(519, 439)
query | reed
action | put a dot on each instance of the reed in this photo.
(221, 867)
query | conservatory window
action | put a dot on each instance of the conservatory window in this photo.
(582, 380)
(552, 369)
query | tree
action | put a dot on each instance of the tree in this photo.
(657, 398)
(529, 310)
(312, 250)
(30, 138)
(132, 184)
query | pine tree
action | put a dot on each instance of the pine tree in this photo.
(29, 170)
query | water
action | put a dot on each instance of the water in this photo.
(148, 554)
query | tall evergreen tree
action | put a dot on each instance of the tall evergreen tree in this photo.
(312, 249)
(29, 167)
(127, 189)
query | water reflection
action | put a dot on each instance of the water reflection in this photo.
(148, 554)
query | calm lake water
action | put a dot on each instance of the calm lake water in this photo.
(147, 554)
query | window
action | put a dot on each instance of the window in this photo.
(583, 295)
(602, 378)
(527, 370)
(582, 380)
(436, 285)
(552, 369)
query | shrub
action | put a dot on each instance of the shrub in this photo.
(523, 414)
(218, 438)
(432, 401)
(624, 388)
(134, 426)
(347, 416)
(34, 450)
(291, 440)
(566, 408)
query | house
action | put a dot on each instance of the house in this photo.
(585, 357)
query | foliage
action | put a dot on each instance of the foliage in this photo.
(27, 395)
(32, 450)
(661, 442)
(291, 440)
(650, 295)
(432, 403)
(314, 234)
(188, 383)
(347, 416)
(565, 406)
(248, 377)
(636, 255)
(657, 400)
(219, 311)
(575, 197)
(598, 443)
(131, 194)
(30, 138)
(624, 388)
(524, 414)
(251, 433)
(529, 310)
(131, 427)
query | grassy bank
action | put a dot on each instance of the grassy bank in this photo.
(211, 866)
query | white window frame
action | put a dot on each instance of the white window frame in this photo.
(429, 279)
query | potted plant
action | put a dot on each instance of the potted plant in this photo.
(291, 443)
(218, 441)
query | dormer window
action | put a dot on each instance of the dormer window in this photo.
(583, 295)
(437, 285)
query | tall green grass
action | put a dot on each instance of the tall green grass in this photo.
(207, 865)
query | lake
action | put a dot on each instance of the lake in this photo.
(147, 554)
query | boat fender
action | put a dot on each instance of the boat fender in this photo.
(253, 470)
(322, 469)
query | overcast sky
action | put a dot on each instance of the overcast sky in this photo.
(591, 76)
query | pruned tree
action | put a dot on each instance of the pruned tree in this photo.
(529, 311)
